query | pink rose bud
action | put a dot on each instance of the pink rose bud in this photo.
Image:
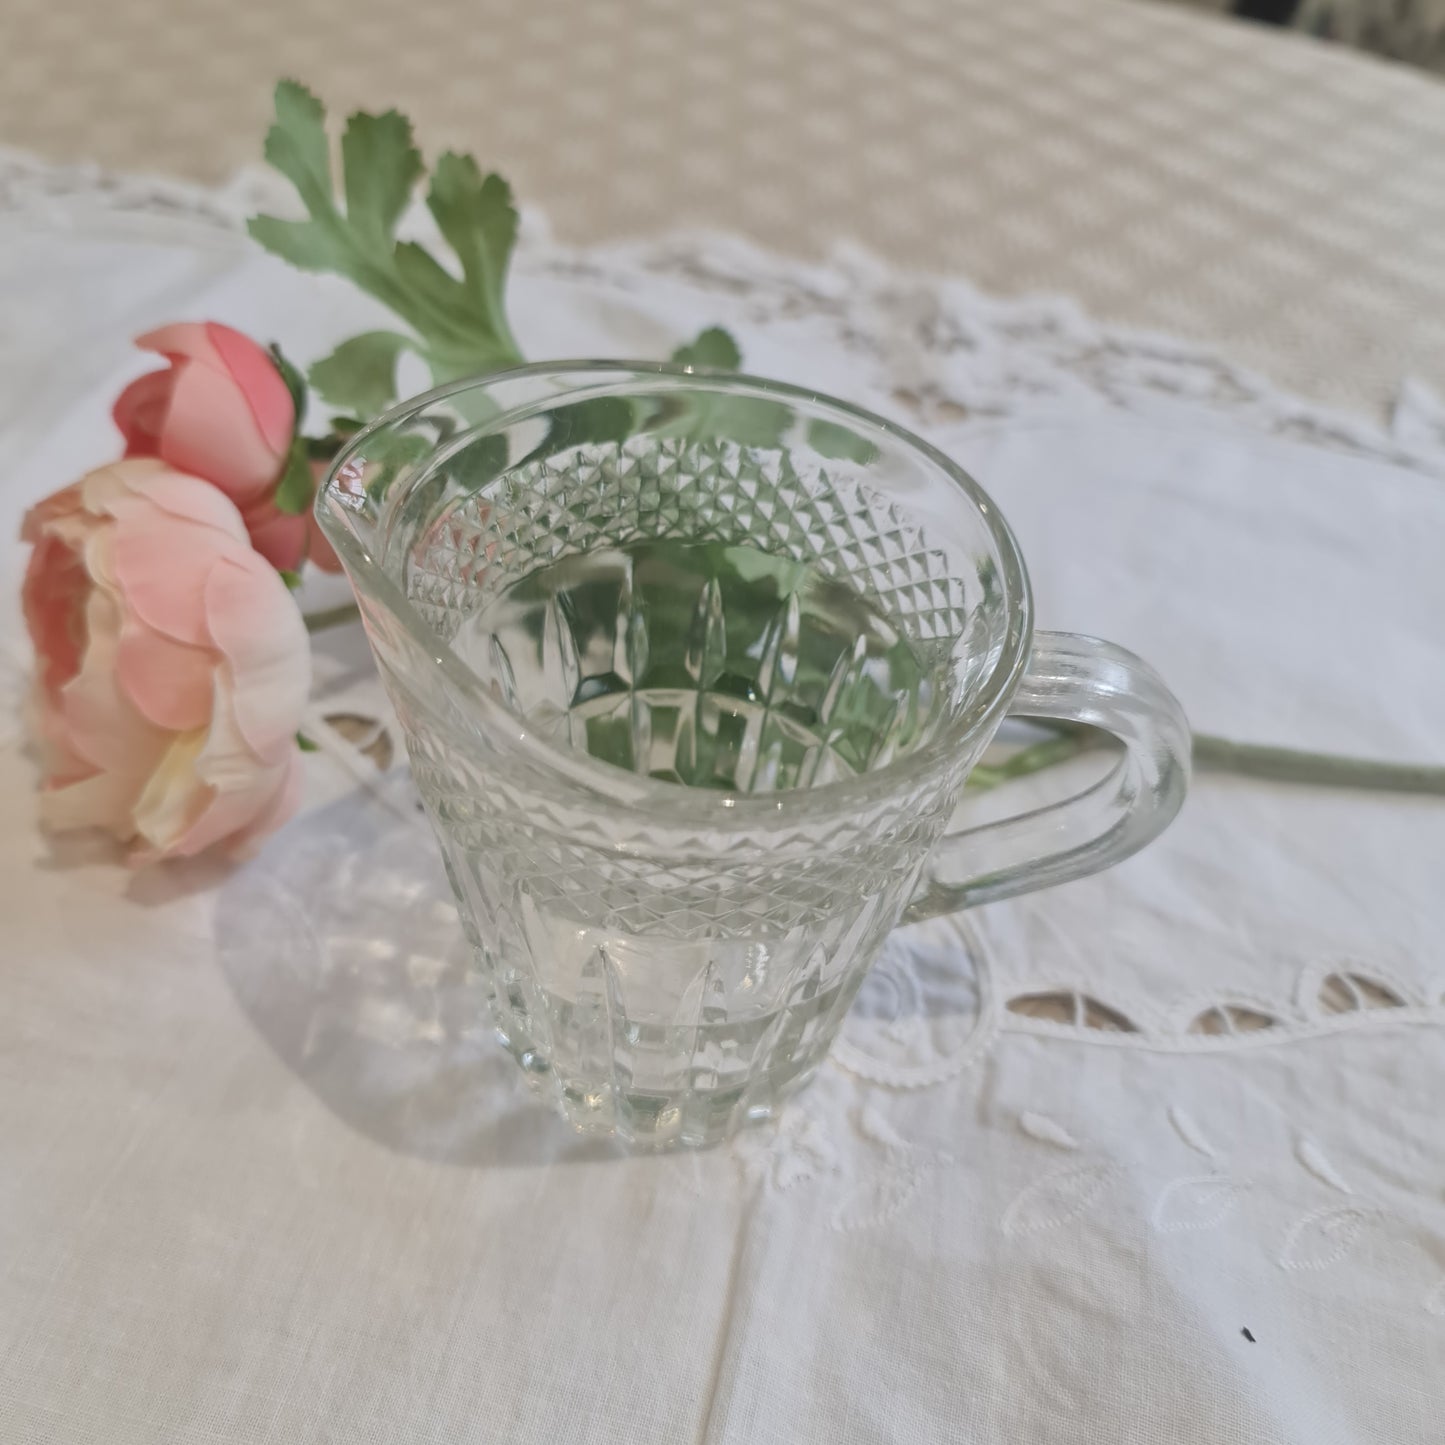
(172, 664)
(223, 413)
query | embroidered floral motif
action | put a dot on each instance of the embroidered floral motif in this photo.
(1057, 1199)
(1202, 1201)
(1323, 1237)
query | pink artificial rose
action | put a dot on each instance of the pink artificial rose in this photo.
(172, 664)
(223, 413)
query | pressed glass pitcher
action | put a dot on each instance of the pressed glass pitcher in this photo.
(692, 668)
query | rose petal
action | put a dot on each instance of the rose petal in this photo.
(52, 598)
(211, 433)
(189, 498)
(99, 723)
(183, 341)
(169, 682)
(162, 574)
(284, 802)
(240, 791)
(169, 530)
(174, 796)
(261, 384)
(53, 601)
(224, 816)
(67, 503)
(278, 536)
(60, 765)
(140, 412)
(256, 624)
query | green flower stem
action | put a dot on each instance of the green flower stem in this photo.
(1246, 760)
(332, 617)
(1284, 765)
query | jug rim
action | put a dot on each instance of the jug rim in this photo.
(336, 513)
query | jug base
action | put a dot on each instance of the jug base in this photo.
(656, 1122)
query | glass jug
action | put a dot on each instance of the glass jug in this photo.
(692, 668)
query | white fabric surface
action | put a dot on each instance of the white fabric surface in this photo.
(264, 1178)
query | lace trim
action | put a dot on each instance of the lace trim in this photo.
(931, 1007)
(948, 354)
(43, 190)
(1327, 997)
(932, 345)
(1277, 1033)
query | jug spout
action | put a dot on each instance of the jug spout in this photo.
(407, 467)
(406, 508)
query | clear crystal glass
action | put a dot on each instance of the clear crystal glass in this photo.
(692, 668)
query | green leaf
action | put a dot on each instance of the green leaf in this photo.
(479, 222)
(305, 744)
(712, 348)
(601, 419)
(291, 579)
(390, 456)
(839, 442)
(444, 312)
(361, 373)
(751, 565)
(479, 462)
(297, 486)
(303, 244)
(749, 421)
(380, 165)
(460, 321)
(295, 383)
(296, 144)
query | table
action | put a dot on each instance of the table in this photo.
(1153, 1157)
(1165, 168)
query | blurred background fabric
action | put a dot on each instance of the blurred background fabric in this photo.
(1412, 31)
(1231, 183)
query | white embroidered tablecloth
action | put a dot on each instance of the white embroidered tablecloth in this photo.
(1152, 1157)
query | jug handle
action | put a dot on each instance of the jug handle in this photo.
(1083, 680)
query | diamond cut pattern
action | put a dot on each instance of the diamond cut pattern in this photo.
(693, 888)
(711, 491)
